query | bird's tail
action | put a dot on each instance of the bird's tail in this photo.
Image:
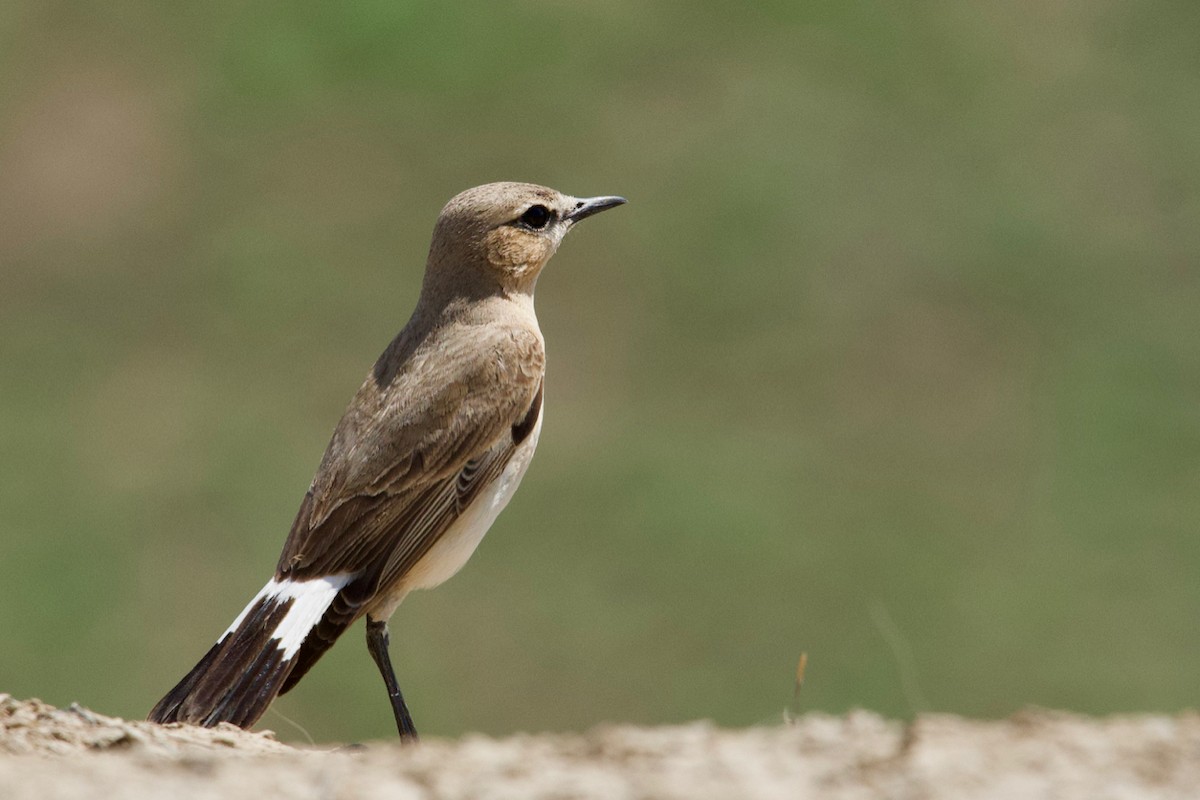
(248, 666)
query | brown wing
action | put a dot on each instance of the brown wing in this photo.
(410, 543)
(409, 455)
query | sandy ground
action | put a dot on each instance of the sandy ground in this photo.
(48, 753)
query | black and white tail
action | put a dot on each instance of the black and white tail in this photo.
(272, 643)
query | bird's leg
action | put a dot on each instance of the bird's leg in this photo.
(377, 643)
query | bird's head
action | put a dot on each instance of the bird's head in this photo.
(503, 234)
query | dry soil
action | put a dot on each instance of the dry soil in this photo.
(48, 753)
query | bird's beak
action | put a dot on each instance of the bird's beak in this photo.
(586, 206)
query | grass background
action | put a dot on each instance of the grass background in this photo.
(892, 358)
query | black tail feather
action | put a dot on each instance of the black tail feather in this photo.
(167, 709)
(239, 676)
(248, 700)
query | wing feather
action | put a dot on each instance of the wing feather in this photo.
(411, 454)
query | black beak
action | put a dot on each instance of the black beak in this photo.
(586, 206)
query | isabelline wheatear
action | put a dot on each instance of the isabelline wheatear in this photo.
(428, 453)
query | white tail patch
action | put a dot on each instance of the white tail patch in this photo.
(310, 600)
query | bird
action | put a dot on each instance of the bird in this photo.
(429, 451)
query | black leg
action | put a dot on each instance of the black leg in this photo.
(377, 643)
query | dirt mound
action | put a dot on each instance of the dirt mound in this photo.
(31, 727)
(47, 753)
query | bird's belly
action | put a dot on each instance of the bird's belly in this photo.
(452, 549)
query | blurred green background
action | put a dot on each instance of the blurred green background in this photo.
(892, 358)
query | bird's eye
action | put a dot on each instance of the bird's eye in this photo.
(536, 217)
